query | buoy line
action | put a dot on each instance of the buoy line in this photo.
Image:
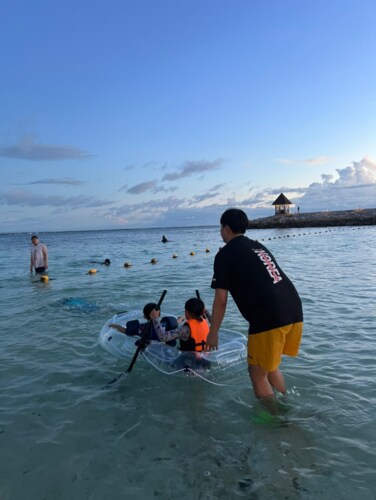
(313, 233)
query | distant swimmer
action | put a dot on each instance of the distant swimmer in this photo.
(106, 262)
(38, 256)
(164, 239)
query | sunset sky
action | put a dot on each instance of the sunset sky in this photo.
(158, 113)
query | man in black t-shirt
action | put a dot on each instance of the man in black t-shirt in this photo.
(265, 297)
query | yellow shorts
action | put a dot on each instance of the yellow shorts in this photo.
(265, 349)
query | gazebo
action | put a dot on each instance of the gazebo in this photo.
(282, 205)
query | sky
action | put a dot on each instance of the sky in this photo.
(161, 113)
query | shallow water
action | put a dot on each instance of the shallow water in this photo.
(64, 433)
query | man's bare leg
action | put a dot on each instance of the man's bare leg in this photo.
(263, 386)
(276, 380)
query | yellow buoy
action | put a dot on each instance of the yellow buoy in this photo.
(92, 271)
(127, 264)
(192, 253)
(153, 261)
(174, 256)
(44, 278)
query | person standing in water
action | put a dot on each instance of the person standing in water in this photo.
(265, 297)
(38, 256)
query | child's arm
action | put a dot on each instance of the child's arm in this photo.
(119, 328)
(163, 336)
(183, 331)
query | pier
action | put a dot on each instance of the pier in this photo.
(360, 217)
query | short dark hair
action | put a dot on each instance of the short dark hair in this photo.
(235, 219)
(148, 308)
(34, 237)
(195, 307)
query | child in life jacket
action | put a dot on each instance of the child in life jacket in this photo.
(150, 306)
(192, 332)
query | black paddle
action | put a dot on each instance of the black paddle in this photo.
(206, 313)
(145, 334)
(142, 342)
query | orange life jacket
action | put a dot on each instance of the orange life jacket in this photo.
(197, 340)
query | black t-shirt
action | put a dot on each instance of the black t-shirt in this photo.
(263, 293)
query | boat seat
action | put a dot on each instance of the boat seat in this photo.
(132, 327)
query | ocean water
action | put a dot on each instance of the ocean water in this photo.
(66, 434)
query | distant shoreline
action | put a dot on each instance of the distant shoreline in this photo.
(361, 217)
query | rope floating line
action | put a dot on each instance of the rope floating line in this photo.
(185, 370)
(340, 228)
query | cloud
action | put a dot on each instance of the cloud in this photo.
(360, 172)
(27, 149)
(355, 187)
(204, 197)
(150, 164)
(24, 198)
(319, 160)
(190, 168)
(143, 187)
(193, 167)
(67, 180)
(217, 187)
(170, 211)
(350, 187)
(141, 213)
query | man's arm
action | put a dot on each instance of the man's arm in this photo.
(218, 312)
(31, 262)
(45, 253)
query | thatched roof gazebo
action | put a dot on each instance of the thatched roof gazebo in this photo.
(282, 205)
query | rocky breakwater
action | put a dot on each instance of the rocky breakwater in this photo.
(363, 217)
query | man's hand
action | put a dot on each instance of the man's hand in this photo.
(219, 308)
(211, 341)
